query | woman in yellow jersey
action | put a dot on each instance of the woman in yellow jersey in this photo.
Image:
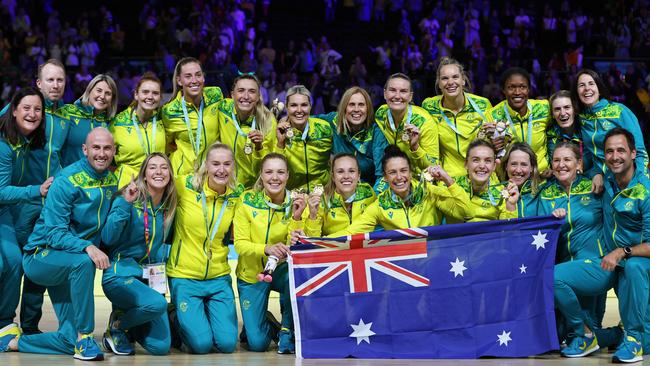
(345, 199)
(244, 123)
(199, 274)
(408, 202)
(305, 141)
(520, 167)
(409, 127)
(459, 114)
(527, 119)
(488, 200)
(138, 130)
(190, 117)
(262, 225)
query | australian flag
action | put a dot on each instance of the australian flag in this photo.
(450, 291)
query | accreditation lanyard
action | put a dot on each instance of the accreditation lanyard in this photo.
(239, 130)
(215, 227)
(454, 128)
(391, 122)
(143, 142)
(305, 132)
(147, 242)
(196, 145)
(529, 138)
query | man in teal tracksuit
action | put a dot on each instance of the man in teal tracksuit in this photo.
(62, 252)
(43, 163)
(626, 227)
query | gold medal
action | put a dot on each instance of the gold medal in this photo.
(426, 176)
(406, 137)
(505, 194)
(295, 194)
(318, 189)
(248, 148)
(481, 134)
(290, 133)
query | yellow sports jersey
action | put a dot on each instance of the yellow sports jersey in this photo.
(191, 145)
(259, 223)
(456, 131)
(193, 254)
(134, 142)
(234, 134)
(539, 114)
(333, 215)
(485, 206)
(308, 153)
(428, 204)
(428, 152)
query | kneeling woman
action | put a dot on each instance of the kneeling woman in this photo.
(486, 201)
(408, 202)
(345, 199)
(262, 225)
(201, 286)
(134, 233)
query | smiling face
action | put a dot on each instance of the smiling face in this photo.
(99, 149)
(148, 96)
(298, 108)
(398, 94)
(519, 167)
(52, 82)
(191, 80)
(398, 175)
(220, 165)
(619, 157)
(480, 164)
(157, 174)
(275, 175)
(100, 96)
(563, 114)
(451, 81)
(565, 165)
(246, 94)
(356, 111)
(516, 89)
(28, 114)
(345, 175)
(588, 92)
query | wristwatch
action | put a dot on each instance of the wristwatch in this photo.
(628, 252)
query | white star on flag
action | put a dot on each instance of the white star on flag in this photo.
(458, 267)
(362, 331)
(539, 240)
(523, 268)
(504, 338)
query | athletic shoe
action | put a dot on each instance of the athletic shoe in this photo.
(8, 333)
(581, 346)
(286, 344)
(629, 351)
(116, 340)
(87, 349)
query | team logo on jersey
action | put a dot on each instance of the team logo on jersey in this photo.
(198, 197)
(45, 253)
(553, 204)
(128, 281)
(390, 214)
(254, 214)
(607, 125)
(62, 124)
(246, 304)
(585, 200)
(629, 205)
(109, 194)
(128, 130)
(485, 205)
(182, 306)
(213, 111)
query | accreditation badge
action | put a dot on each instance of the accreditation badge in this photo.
(156, 275)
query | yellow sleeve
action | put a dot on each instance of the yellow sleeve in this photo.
(428, 153)
(364, 224)
(243, 231)
(504, 214)
(453, 201)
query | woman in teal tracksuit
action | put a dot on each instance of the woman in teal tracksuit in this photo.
(598, 116)
(21, 129)
(570, 195)
(134, 233)
(96, 107)
(357, 133)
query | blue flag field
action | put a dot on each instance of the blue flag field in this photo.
(449, 291)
